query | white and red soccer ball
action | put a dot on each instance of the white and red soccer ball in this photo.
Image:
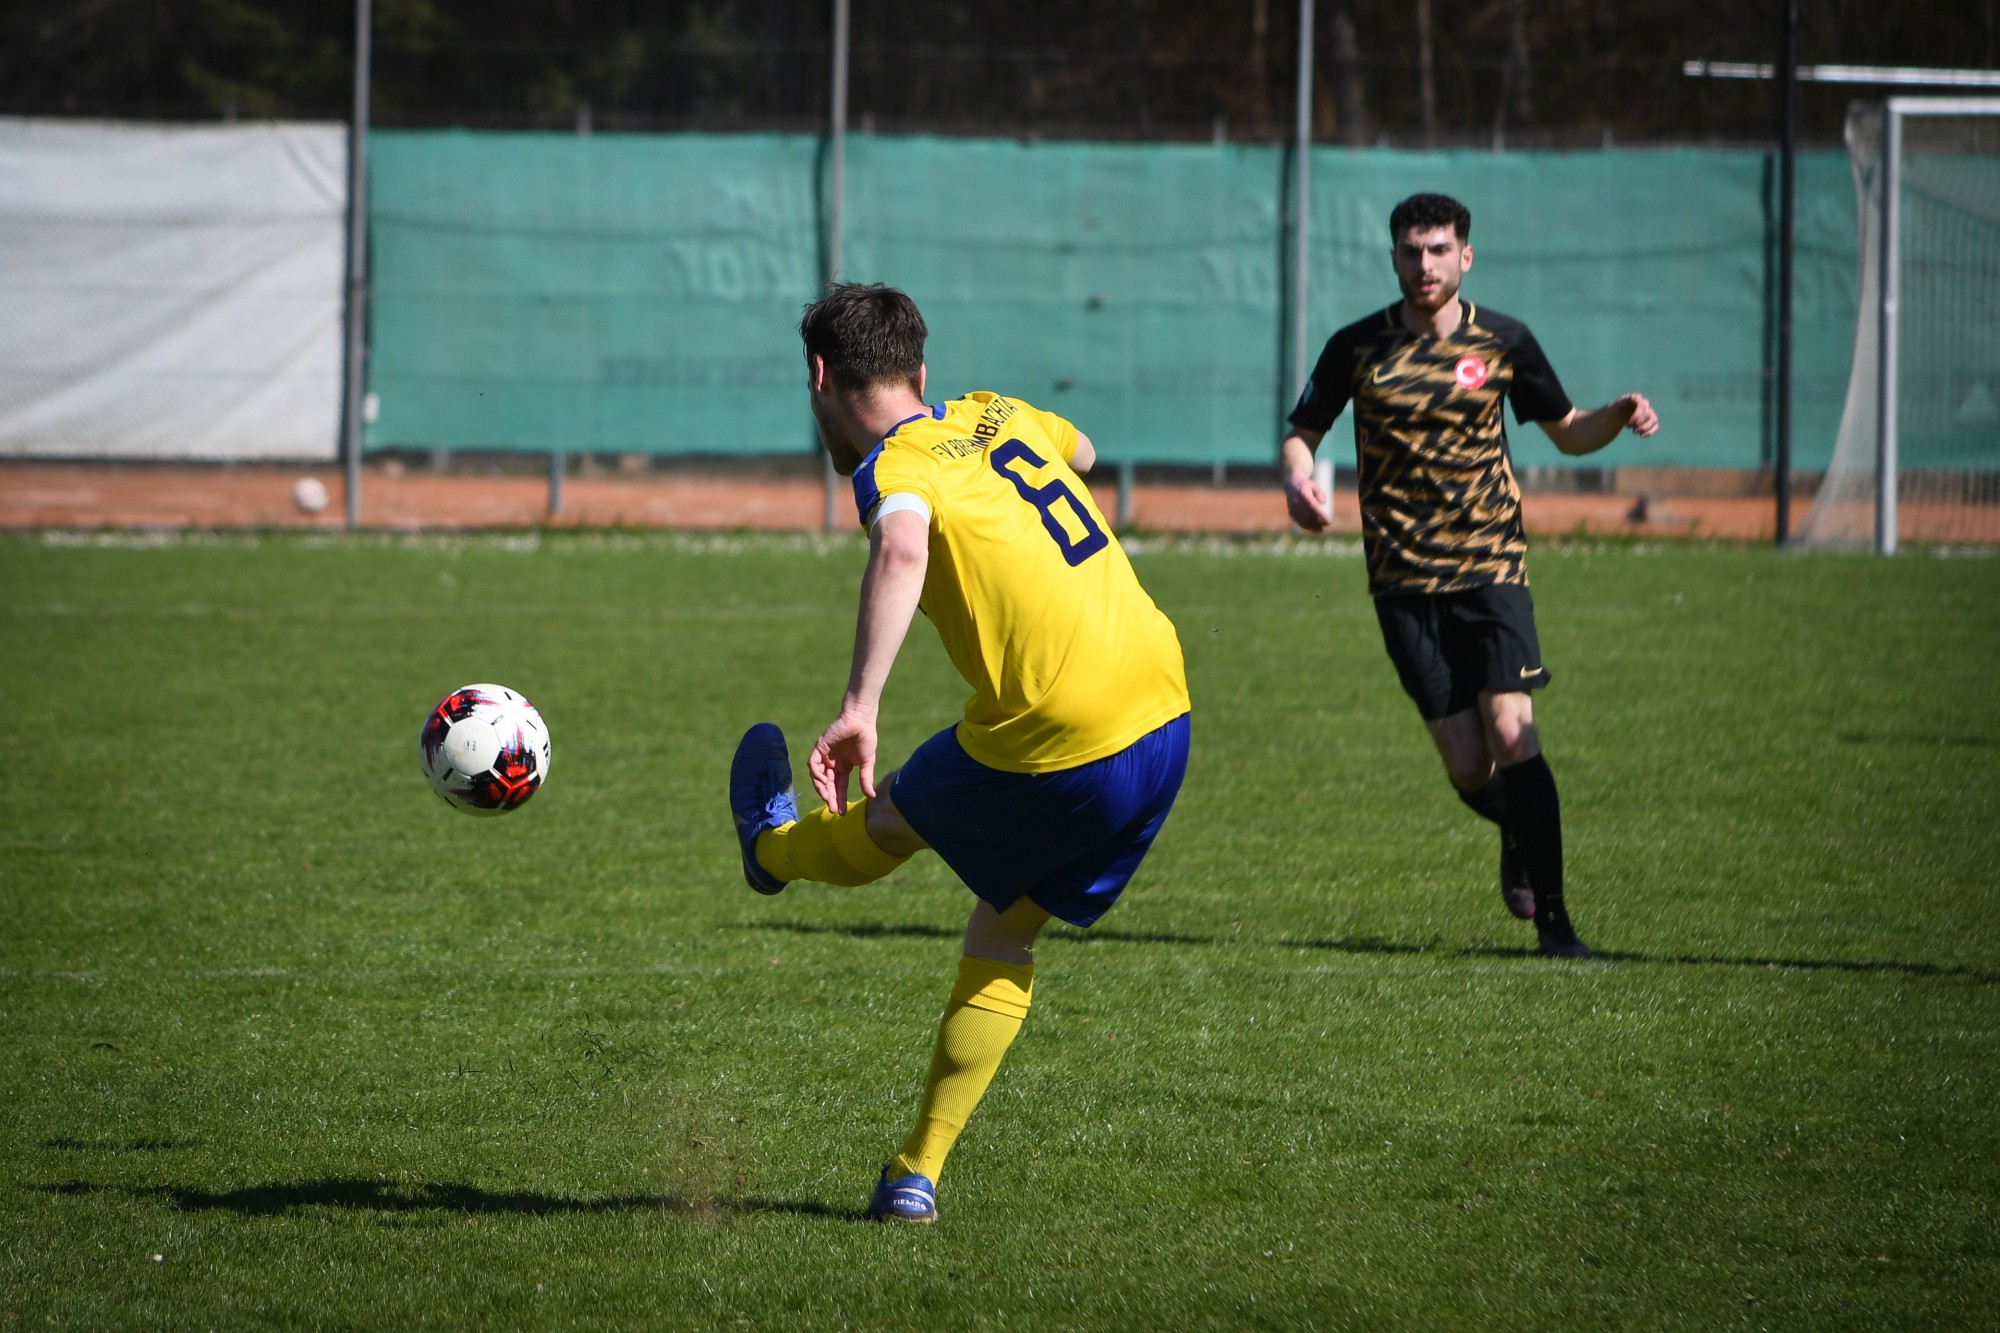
(485, 749)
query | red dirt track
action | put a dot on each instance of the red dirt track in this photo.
(37, 496)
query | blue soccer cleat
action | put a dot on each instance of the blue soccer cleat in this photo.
(910, 1198)
(760, 797)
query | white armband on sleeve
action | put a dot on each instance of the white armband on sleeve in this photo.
(900, 503)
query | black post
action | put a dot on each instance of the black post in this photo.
(1787, 172)
(354, 357)
(836, 136)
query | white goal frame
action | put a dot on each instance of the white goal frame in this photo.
(1894, 111)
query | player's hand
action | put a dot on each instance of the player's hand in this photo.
(848, 745)
(1643, 419)
(1308, 503)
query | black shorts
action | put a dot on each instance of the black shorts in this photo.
(1449, 646)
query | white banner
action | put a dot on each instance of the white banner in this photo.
(170, 291)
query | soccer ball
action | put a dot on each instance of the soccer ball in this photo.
(485, 749)
(309, 494)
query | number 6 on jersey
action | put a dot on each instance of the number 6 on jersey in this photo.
(1044, 499)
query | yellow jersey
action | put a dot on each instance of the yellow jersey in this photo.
(1068, 659)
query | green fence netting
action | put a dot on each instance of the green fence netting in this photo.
(612, 293)
(1948, 416)
(640, 293)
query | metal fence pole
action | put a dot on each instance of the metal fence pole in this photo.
(1788, 174)
(355, 359)
(1301, 195)
(836, 209)
(1302, 228)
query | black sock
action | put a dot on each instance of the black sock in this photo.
(1534, 818)
(1490, 801)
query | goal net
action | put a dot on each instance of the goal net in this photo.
(1918, 456)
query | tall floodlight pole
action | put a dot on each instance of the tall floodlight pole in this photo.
(355, 359)
(836, 207)
(1301, 195)
(1787, 180)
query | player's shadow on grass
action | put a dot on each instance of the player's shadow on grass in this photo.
(870, 930)
(1932, 742)
(1376, 944)
(863, 930)
(381, 1196)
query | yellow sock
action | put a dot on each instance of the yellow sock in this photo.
(986, 1009)
(827, 848)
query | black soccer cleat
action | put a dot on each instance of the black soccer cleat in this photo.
(1515, 891)
(1558, 938)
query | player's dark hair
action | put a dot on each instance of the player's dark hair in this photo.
(867, 334)
(1425, 211)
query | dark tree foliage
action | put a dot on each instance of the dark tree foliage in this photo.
(1513, 72)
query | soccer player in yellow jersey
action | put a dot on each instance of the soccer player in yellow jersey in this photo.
(1046, 795)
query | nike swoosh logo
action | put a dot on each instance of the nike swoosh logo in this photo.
(1527, 672)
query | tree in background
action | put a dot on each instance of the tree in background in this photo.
(1470, 72)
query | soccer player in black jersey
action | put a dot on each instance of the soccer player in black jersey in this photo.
(1441, 527)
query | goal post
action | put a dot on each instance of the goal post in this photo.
(1918, 454)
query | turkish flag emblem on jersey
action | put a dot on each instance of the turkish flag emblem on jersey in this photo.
(1470, 371)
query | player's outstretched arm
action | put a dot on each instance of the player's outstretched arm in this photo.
(1587, 432)
(898, 554)
(1305, 499)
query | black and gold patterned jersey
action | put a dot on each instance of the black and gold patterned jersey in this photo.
(1440, 508)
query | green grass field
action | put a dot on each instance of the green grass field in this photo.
(286, 1041)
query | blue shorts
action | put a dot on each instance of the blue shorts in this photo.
(1068, 840)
